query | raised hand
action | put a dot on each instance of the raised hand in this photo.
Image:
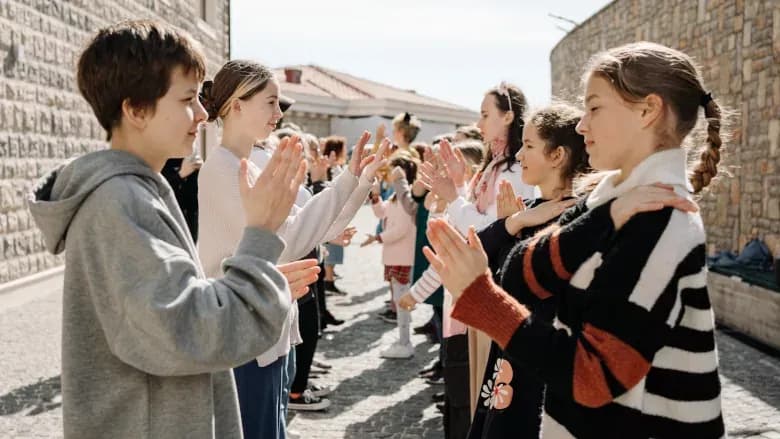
(300, 274)
(345, 238)
(437, 180)
(318, 168)
(418, 188)
(397, 173)
(379, 135)
(267, 201)
(360, 156)
(454, 162)
(537, 216)
(378, 160)
(370, 239)
(648, 199)
(457, 261)
(507, 203)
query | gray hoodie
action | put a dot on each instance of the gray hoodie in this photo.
(148, 340)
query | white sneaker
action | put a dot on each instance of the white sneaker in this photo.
(398, 350)
(308, 402)
(319, 391)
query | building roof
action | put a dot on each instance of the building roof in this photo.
(327, 91)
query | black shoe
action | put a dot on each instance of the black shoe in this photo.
(430, 374)
(439, 406)
(436, 366)
(331, 286)
(435, 379)
(328, 319)
(438, 397)
(389, 316)
(321, 365)
(425, 329)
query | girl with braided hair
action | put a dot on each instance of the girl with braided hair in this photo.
(631, 351)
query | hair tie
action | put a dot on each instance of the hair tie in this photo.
(407, 117)
(503, 90)
(705, 99)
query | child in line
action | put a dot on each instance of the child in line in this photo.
(454, 346)
(334, 152)
(502, 117)
(148, 338)
(244, 96)
(553, 156)
(397, 240)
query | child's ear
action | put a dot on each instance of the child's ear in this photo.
(509, 116)
(135, 116)
(651, 109)
(236, 105)
(558, 156)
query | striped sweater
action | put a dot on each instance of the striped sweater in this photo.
(631, 352)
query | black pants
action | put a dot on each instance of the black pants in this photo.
(438, 324)
(457, 408)
(309, 325)
(320, 295)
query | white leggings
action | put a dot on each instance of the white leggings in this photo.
(404, 316)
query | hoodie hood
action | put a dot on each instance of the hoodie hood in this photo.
(58, 196)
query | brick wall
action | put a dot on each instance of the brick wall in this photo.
(737, 44)
(43, 119)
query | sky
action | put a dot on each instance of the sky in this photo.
(452, 50)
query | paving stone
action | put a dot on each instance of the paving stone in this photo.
(372, 397)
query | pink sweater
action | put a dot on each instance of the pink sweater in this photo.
(398, 235)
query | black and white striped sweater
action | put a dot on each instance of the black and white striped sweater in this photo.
(632, 350)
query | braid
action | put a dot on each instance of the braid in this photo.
(707, 167)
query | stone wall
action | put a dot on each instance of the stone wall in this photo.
(317, 124)
(43, 119)
(747, 308)
(737, 45)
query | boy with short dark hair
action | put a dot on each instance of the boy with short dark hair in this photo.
(148, 340)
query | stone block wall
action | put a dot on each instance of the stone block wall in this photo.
(737, 45)
(317, 124)
(43, 118)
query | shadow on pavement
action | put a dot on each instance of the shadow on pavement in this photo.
(32, 399)
(410, 422)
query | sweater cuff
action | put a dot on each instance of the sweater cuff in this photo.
(416, 295)
(486, 307)
(456, 205)
(261, 243)
(401, 185)
(346, 181)
(364, 181)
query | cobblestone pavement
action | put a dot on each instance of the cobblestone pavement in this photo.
(372, 398)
